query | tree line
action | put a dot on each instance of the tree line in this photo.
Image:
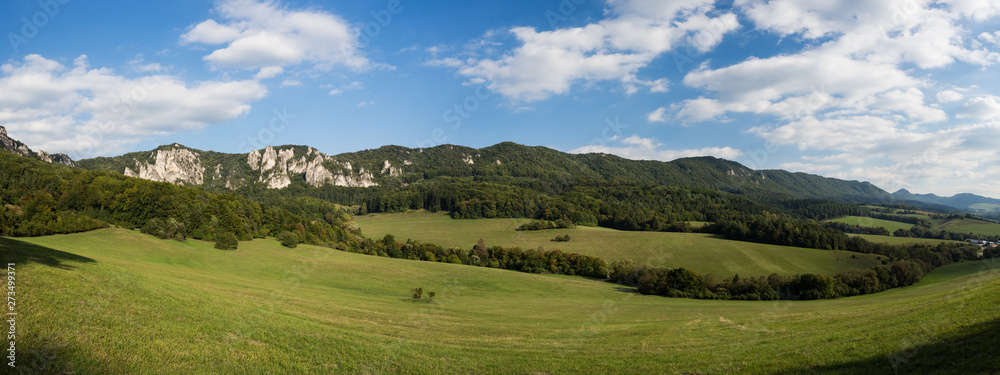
(685, 283)
(508, 258)
(40, 199)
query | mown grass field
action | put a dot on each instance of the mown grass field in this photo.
(891, 226)
(116, 301)
(704, 253)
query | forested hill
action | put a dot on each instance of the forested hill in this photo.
(283, 166)
(965, 202)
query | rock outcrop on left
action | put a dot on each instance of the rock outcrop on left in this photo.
(271, 167)
(15, 146)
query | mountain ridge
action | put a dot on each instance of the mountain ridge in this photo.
(961, 201)
(276, 167)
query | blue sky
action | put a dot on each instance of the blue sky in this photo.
(902, 94)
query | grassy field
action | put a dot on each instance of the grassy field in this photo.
(892, 226)
(704, 253)
(116, 301)
(967, 226)
(900, 240)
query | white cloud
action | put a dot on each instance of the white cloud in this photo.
(260, 34)
(659, 115)
(944, 160)
(859, 67)
(85, 111)
(547, 63)
(268, 72)
(365, 104)
(291, 82)
(979, 10)
(791, 86)
(992, 38)
(857, 91)
(983, 108)
(948, 96)
(639, 148)
(211, 32)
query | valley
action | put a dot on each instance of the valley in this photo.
(514, 188)
(183, 307)
(703, 253)
(166, 269)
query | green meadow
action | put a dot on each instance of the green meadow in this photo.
(116, 301)
(891, 226)
(704, 253)
(967, 226)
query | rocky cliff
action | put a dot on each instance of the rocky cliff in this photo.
(276, 168)
(271, 167)
(177, 166)
(15, 146)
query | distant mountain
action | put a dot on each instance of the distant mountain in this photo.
(15, 146)
(284, 166)
(963, 201)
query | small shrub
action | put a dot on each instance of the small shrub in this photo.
(226, 241)
(288, 239)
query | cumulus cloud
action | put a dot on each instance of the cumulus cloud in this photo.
(982, 108)
(256, 34)
(84, 111)
(948, 96)
(638, 148)
(269, 72)
(547, 63)
(858, 92)
(859, 68)
(659, 115)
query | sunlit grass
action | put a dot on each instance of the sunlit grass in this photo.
(704, 253)
(116, 301)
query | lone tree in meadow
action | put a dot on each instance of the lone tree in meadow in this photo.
(418, 293)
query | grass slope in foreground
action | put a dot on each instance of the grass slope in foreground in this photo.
(116, 301)
(704, 253)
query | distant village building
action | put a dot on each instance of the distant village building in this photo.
(982, 243)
